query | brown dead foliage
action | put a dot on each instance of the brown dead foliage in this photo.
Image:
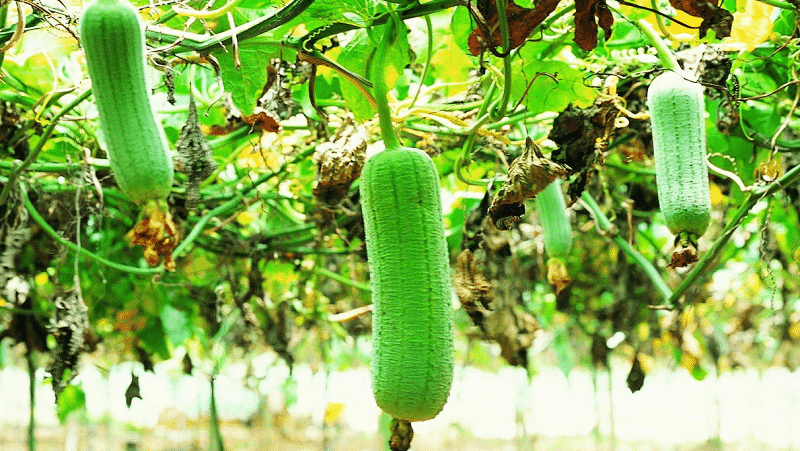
(157, 233)
(528, 175)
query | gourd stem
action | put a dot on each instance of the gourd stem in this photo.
(80, 250)
(665, 55)
(499, 110)
(645, 264)
(380, 88)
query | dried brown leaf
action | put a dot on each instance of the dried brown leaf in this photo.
(528, 175)
(339, 163)
(521, 23)
(473, 289)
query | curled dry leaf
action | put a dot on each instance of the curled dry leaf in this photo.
(133, 390)
(263, 120)
(635, 379)
(157, 233)
(401, 435)
(714, 18)
(473, 289)
(70, 328)
(195, 158)
(528, 175)
(557, 274)
(685, 252)
(579, 132)
(588, 14)
(521, 23)
(339, 163)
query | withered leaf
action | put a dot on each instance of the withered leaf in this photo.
(133, 391)
(577, 132)
(521, 23)
(714, 17)
(528, 175)
(195, 158)
(557, 274)
(157, 233)
(339, 163)
(635, 379)
(145, 359)
(473, 289)
(263, 120)
(69, 327)
(585, 25)
(401, 434)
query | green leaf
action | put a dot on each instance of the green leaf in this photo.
(71, 399)
(356, 56)
(461, 25)
(154, 339)
(557, 87)
(246, 83)
(176, 324)
(354, 12)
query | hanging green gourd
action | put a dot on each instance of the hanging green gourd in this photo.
(679, 142)
(412, 362)
(557, 233)
(112, 37)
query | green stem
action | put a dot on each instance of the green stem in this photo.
(341, 279)
(630, 168)
(779, 4)
(643, 263)
(499, 110)
(40, 145)
(424, 75)
(234, 203)
(420, 10)
(378, 79)
(80, 250)
(665, 55)
(32, 396)
(225, 39)
(216, 436)
(703, 265)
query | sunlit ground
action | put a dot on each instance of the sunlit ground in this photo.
(487, 410)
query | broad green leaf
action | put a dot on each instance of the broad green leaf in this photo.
(355, 12)
(558, 86)
(154, 338)
(70, 400)
(461, 25)
(246, 83)
(176, 324)
(356, 57)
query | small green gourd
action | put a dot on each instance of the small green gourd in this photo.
(556, 232)
(413, 355)
(556, 227)
(112, 37)
(679, 142)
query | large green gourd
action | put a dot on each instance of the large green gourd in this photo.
(112, 37)
(412, 362)
(679, 142)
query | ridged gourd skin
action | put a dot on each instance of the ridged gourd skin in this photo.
(556, 227)
(112, 37)
(412, 329)
(679, 140)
